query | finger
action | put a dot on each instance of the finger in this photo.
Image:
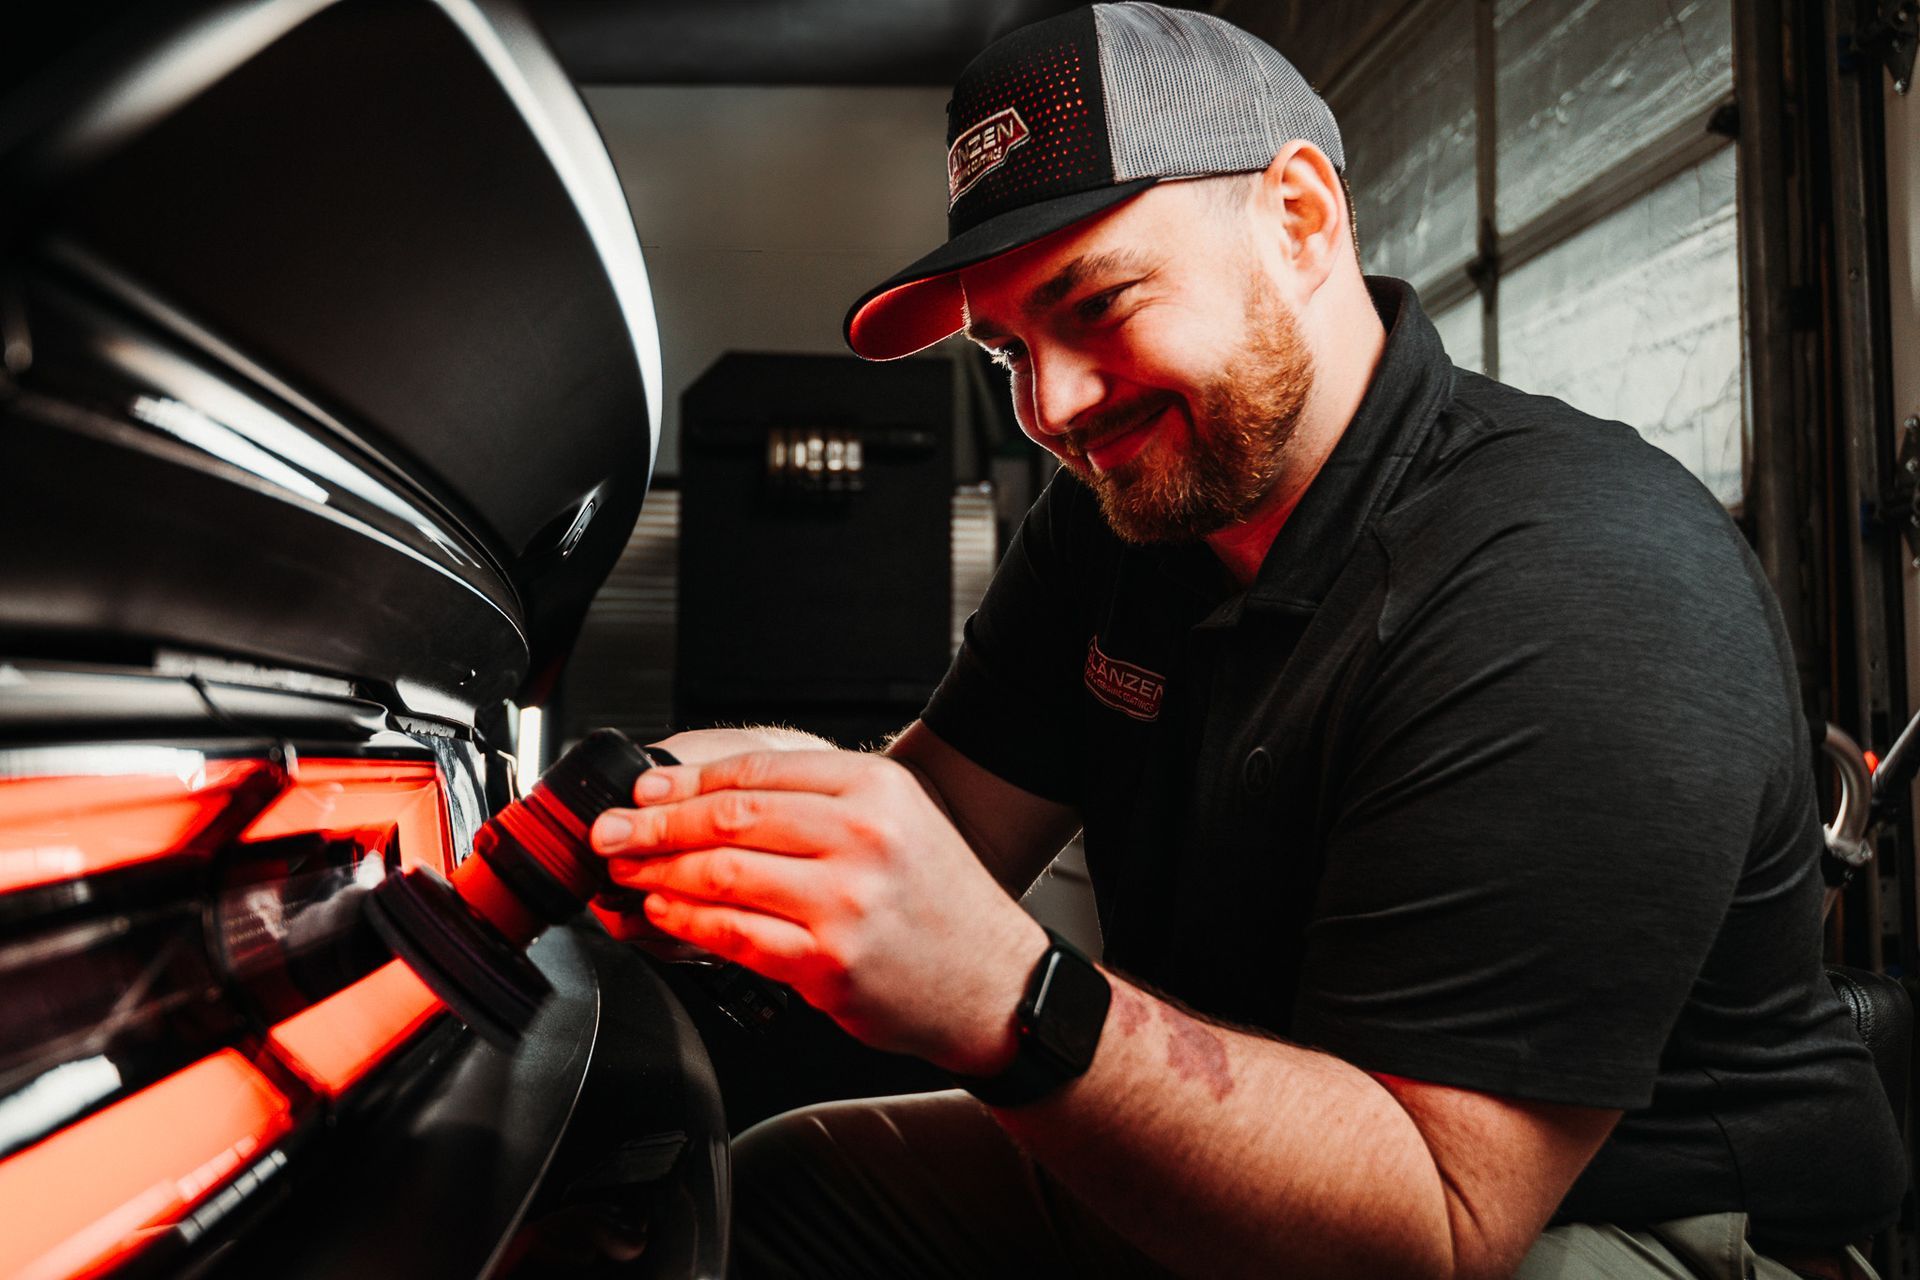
(765, 944)
(792, 822)
(825, 772)
(630, 924)
(769, 883)
(658, 783)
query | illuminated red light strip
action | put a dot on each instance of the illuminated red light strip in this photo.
(54, 829)
(337, 796)
(83, 1199)
(62, 828)
(336, 1042)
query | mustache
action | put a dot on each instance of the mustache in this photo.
(1115, 421)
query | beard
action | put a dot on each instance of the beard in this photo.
(1210, 468)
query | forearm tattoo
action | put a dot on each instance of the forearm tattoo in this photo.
(1195, 1049)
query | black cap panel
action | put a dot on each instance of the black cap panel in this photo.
(1066, 118)
(1028, 123)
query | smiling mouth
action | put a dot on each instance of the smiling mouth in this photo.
(1116, 448)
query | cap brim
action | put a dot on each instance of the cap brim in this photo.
(918, 306)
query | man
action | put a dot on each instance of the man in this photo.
(1436, 746)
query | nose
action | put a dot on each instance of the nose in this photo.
(1063, 384)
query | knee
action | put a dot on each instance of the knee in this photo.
(789, 1179)
(782, 1154)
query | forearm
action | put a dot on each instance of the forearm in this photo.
(1014, 833)
(1222, 1153)
(1218, 1151)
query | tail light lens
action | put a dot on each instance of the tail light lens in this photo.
(93, 1193)
(186, 977)
(65, 828)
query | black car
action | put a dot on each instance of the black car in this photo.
(329, 398)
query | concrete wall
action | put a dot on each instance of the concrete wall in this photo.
(765, 211)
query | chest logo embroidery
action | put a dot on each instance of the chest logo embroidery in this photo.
(1132, 690)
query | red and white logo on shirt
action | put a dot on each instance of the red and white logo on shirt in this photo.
(1126, 688)
(982, 149)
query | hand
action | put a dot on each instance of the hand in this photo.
(699, 746)
(833, 872)
(619, 913)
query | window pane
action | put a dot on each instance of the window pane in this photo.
(1459, 327)
(1638, 318)
(1583, 84)
(1410, 140)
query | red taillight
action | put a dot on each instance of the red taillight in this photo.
(242, 935)
(340, 797)
(336, 1042)
(68, 827)
(89, 1195)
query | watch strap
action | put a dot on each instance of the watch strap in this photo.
(1035, 1072)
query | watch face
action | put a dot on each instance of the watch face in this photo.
(1069, 1010)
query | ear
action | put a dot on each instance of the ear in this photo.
(1303, 213)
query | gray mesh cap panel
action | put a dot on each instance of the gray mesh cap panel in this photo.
(1187, 93)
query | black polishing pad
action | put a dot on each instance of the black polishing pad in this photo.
(489, 985)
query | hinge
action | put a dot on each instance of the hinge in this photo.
(1888, 39)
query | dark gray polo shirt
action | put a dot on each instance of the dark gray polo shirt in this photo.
(1495, 777)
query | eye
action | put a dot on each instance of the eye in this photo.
(1095, 308)
(1009, 355)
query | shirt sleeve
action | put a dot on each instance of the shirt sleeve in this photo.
(1578, 724)
(1010, 700)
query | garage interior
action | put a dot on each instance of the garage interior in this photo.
(1673, 214)
(1590, 200)
(1695, 216)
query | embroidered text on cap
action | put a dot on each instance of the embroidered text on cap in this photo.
(982, 149)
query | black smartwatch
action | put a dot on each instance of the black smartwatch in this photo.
(1058, 1024)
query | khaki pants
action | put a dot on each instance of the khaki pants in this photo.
(1713, 1247)
(927, 1185)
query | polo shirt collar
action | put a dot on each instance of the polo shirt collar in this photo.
(1412, 383)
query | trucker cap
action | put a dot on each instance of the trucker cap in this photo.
(1068, 117)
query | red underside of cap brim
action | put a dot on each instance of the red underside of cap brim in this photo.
(907, 318)
(921, 305)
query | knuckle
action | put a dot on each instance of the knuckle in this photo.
(723, 935)
(858, 897)
(648, 828)
(886, 833)
(750, 770)
(720, 874)
(733, 814)
(869, 831)
(848, 953)
(896, 780)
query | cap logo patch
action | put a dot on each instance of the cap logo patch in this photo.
(982, 149)
(1126, 688)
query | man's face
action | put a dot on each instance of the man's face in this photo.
(1150, 353)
